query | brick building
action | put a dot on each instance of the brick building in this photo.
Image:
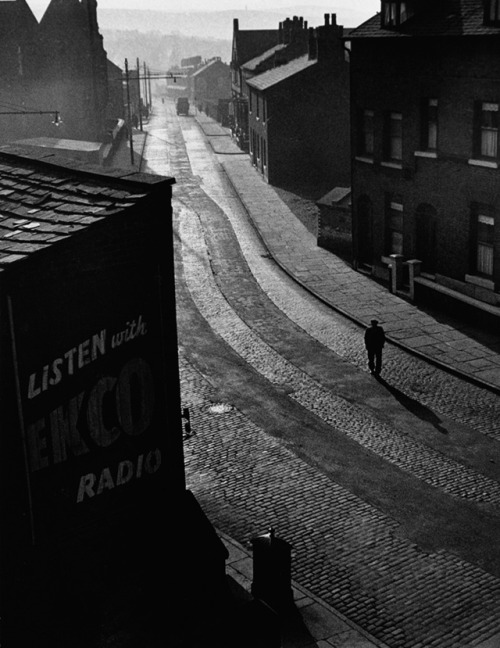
(97, 511)
(299, 114)
(425, 159)
(58, 65)
(210, 89)
(18, 51)
(247, 44)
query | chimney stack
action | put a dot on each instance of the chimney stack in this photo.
(312, 44)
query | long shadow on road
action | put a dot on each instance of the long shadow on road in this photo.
(413, 406)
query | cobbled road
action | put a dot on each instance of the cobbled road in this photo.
(388, 491)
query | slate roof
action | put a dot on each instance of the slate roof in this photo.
(252, 64)
(45, 199)
(249, 43)
(205, 67)
(448, 18)
(278, 74)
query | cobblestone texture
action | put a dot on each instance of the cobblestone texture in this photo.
(390, 444)
(344, 550)
(432, 387)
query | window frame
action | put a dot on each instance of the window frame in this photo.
(366, 117)
(394, 208)
(492, 12)
(394, 13)
(429, 105)
(482, 128)
(483, 216)
(391, 119)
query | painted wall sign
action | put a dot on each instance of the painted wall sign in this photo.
(92, 393)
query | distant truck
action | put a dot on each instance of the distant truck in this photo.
(183, 106)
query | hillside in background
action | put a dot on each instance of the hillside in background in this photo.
(160, 51)
(162, 39)
(219, 24)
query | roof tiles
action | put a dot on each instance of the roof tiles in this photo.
(450, 18)
(278, 74)
(42, 203)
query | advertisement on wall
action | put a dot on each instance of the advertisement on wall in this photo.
(91, 398)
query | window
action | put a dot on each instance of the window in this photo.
(264, 109)
(365, 126)
(250, 101)
(257, 106)
(395, 12)
(429, 124)
(393, 140)
(487, 130)
(485, 230)
(492, 11)
(395, 227)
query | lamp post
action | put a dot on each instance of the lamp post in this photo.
(139, 91)
(129, 117)
(57, 117)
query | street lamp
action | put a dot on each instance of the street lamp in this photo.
(57, 121)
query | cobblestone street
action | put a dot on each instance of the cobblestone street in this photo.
(389, 490)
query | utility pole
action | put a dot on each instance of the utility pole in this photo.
(146, 84)
(129, 116)
(149, 85)
(139, 90)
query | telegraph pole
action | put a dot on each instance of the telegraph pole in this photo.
(146, 85)
(149, 86)
(129, 116)
(139, 90)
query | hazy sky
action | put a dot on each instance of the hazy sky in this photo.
(368, 7)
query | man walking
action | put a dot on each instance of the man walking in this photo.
(374, 343)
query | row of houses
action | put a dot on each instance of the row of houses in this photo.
(55, 77)
(399, 116)
(207, 85)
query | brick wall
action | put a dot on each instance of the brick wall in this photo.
(396, 74)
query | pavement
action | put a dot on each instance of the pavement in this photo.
(358, 297)
(337, 284)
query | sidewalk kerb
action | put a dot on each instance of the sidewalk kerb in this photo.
(306, 593)
(441, 365)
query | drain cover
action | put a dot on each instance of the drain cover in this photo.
(220, 408)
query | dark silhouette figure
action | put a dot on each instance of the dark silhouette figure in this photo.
(374, 342)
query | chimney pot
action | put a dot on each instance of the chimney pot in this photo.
(327, 19)
(235, 24)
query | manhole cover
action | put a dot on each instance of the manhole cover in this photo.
(220, 408)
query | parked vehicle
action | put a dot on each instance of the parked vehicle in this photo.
(183, 106)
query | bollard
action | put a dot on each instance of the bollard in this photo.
(272, 564)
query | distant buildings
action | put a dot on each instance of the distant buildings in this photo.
(247, 44)
(58, 65)
(425, 99)
(210, 89)
(299, 112)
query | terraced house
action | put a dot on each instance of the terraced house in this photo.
(425, 98)
(247, 44)
(299, 113)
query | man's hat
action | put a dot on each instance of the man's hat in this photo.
(374, 321)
